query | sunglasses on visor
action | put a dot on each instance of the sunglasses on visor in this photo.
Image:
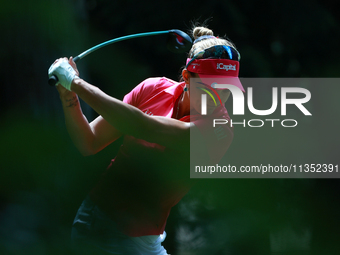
(217, 51)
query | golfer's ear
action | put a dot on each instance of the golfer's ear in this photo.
(186, 76)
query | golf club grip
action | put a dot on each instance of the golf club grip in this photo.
(54, 79)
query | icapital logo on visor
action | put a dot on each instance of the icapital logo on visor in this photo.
(226, 67)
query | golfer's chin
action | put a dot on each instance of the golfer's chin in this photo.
(210, 109)
(197, 110)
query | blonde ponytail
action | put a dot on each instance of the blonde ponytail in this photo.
(206, 42)
(201, 31)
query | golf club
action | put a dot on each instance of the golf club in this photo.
(177, 41)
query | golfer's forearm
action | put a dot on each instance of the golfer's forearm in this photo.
(125, 118)
(78, 126)
(130, 120)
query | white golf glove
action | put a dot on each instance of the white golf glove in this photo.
(65, 73)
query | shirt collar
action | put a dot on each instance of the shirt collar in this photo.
(176, 89)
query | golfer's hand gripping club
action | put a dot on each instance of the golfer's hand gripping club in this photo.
(63, 73)
(53, 79)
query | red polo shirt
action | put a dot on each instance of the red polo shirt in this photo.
(145, 180)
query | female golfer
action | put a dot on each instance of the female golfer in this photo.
(164, 124)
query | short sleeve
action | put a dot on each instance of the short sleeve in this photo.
(141, 92)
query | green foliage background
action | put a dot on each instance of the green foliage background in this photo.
(43, 179)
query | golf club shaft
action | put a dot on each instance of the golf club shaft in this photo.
(85, 53)
(54, 79)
